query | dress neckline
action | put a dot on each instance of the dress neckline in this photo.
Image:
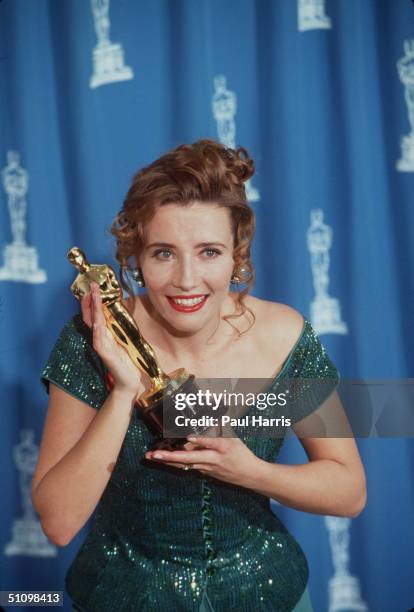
(284, 368)
(290, 356)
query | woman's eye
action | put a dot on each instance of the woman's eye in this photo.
(166, 254)
(162, 254)
(211, 253)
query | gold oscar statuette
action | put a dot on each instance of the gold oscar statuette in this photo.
(156, 405)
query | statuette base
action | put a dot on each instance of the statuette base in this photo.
(406, 163)
(109, 67)
(326, 316)
(21, 264)
(344, 594)
(158, 411)
(29, 539)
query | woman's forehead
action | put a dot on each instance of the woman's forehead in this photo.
(195, 219)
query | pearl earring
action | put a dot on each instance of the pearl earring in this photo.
(239, 275)
(138, 278)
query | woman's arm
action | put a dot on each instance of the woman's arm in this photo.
(78, 452)
(80, 446)
(332, 483)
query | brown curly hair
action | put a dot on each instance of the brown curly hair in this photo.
(205, 171)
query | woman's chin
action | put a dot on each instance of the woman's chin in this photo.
(185, 327)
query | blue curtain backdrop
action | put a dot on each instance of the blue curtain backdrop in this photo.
(322, 95)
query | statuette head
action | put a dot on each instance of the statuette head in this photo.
(78, 259)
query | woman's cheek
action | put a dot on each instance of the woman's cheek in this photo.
(218, 270)
(156, 276)
(220, 280)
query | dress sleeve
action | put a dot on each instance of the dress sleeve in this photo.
(312, 376)
(74, 365)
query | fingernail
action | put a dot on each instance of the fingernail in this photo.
(191, 439)
(157, 456)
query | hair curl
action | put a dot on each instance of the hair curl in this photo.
(205, 171)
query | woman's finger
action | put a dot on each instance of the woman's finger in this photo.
(86, 309)
(183, 457)
(100, 331)
(213, 443)
(191, 446)
(201, 467)
(98, 315)
(98, 321)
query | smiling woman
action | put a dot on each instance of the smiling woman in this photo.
(191, 529)
(191, 274)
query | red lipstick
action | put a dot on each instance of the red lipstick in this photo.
(184, 307)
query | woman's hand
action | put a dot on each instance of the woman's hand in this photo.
(226, 459)
(126, 376)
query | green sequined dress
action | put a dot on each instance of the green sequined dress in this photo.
(174, 540)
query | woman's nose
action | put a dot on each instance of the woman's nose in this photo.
(186, 275)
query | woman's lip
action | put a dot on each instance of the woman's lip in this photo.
(187, 297)
(182, 308)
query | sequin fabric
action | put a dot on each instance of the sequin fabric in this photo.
(177, 541)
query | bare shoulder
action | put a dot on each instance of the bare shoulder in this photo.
(276, 322)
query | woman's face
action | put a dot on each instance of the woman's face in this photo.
(187, 263)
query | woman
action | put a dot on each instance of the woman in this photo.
(187, 529)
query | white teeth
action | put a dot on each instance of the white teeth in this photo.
(188, 302)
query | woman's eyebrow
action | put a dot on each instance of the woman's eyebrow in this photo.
(160, 244)
(207, 244)
(167, 245)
